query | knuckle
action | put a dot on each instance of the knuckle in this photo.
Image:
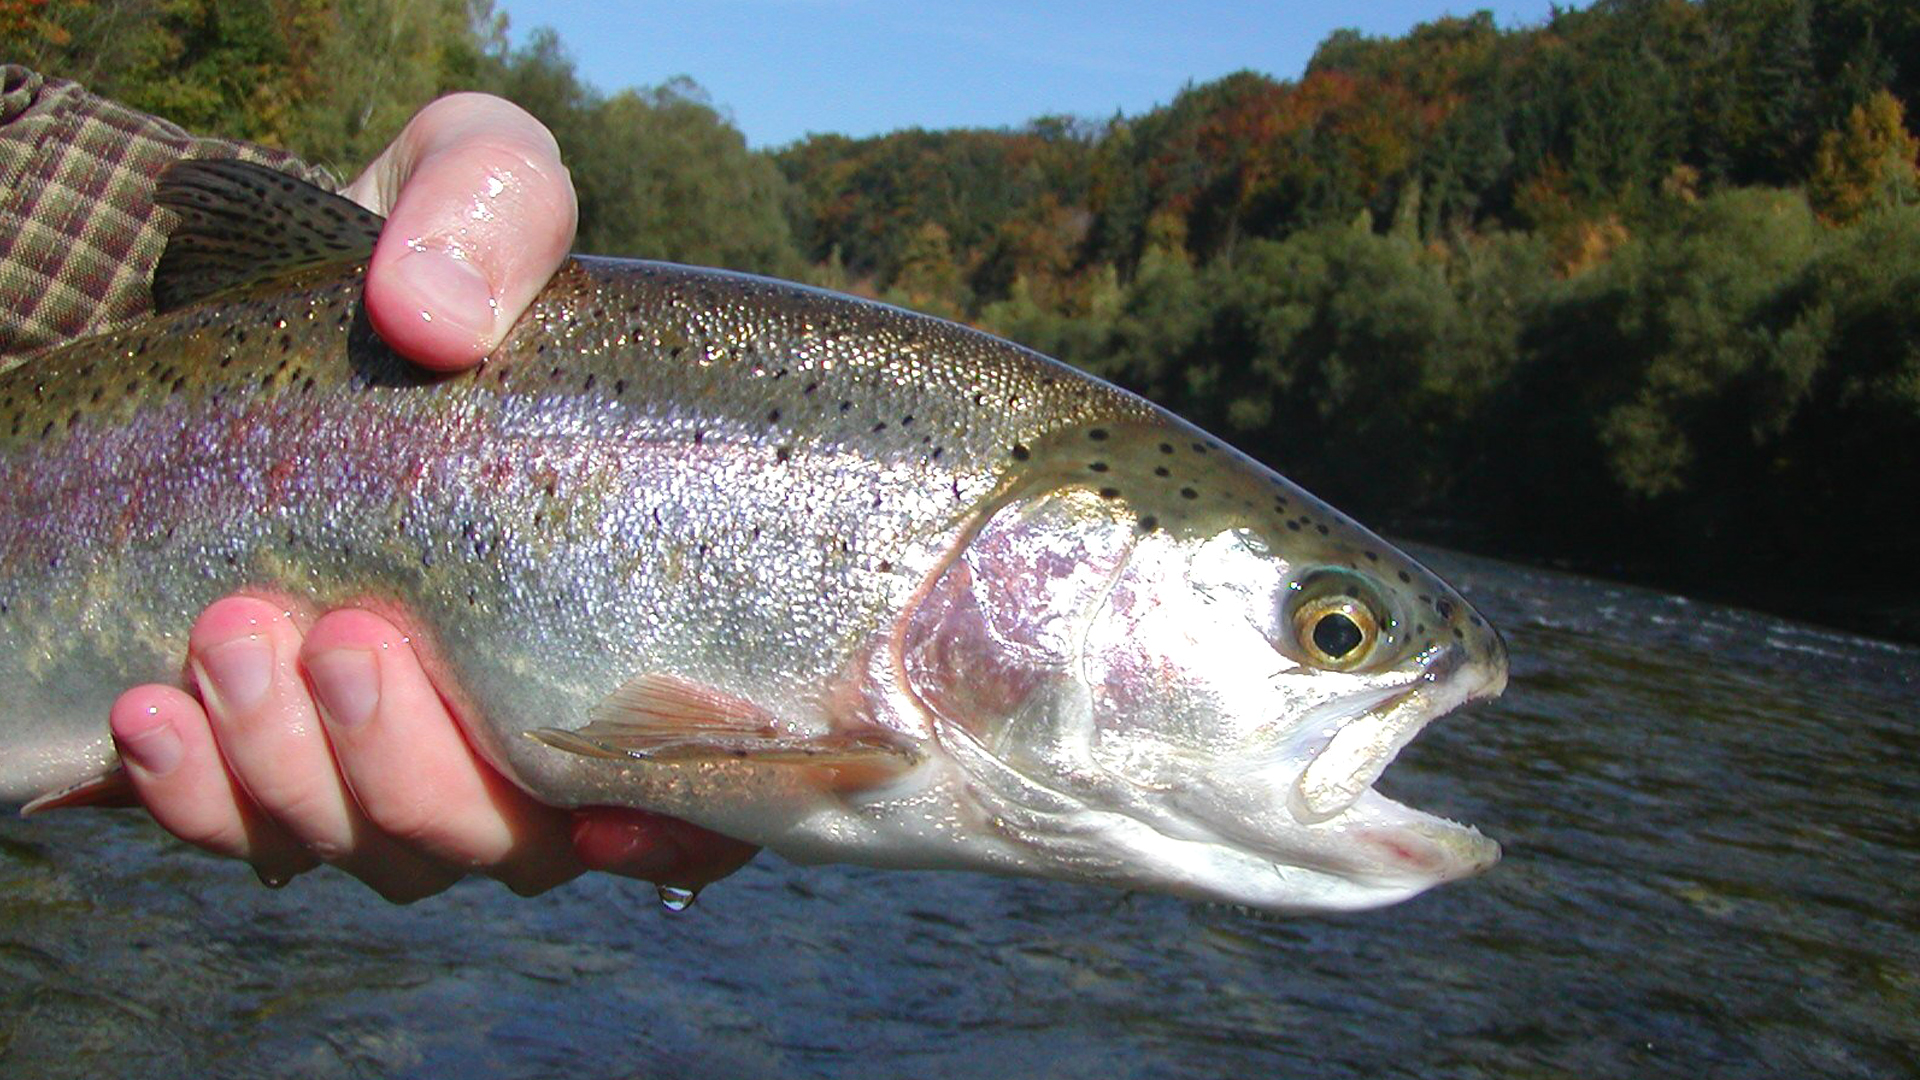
(410, 821)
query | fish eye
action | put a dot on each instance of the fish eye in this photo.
(1337, 632)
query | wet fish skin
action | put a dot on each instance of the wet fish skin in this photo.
(1014, 618)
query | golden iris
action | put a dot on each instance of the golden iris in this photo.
(1337, 632)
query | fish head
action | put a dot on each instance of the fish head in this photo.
(1196, 673)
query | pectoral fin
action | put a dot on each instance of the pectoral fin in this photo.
(110, 788)
(669, 720)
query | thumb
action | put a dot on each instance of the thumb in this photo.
(480, 212)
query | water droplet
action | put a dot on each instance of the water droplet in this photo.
(271, 879)
(676, 898)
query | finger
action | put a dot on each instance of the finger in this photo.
(243, 653)
(480, 212)
(170, 756)
(410, 768)
(659, 849)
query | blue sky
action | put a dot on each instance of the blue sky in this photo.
(784, 68)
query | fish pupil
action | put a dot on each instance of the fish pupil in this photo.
(1336, 635)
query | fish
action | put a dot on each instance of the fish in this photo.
(848, 582)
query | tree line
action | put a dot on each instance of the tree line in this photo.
(1637, 288)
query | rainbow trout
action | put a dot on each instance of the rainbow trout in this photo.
(848, 582)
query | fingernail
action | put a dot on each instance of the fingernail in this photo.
(347, 684)
(149, 741)
(235, 674)
(449, 289)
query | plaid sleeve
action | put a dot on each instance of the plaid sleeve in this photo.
(79, 234)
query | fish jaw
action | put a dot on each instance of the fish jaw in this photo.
(1346, 765)
(1375, 853)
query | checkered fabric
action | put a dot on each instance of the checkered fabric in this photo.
(79, 234)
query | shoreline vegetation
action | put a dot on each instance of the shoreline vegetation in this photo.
(1634, 291)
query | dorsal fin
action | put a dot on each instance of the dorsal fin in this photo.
(242, 223)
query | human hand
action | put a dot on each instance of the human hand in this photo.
(325, 741)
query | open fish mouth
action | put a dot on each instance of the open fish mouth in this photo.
(1352, 760)
(1338, 780)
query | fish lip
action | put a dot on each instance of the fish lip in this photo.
(1352, 760)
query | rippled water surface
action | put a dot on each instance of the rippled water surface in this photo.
(1712, 824)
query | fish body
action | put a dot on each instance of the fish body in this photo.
(852, 583)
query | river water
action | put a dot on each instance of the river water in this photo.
(1712, 826)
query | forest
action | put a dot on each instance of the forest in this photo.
(1634, 290)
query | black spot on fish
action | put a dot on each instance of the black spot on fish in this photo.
(619, 387)
(773, 416)
(1293, 526)
(810, 388)
(1162, 471)
(845, 405)
(879, 427)
(785, 453)
(1405, 578)
(1149, 523)
(1322, 529)
(1199, 448)
(1097, 434)
(1020, 452)
(1098, 466)
(1166, 448)
(1372, 556)
(885, 566)
(1109, 493)
(1444, 609)
(1189, 493)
